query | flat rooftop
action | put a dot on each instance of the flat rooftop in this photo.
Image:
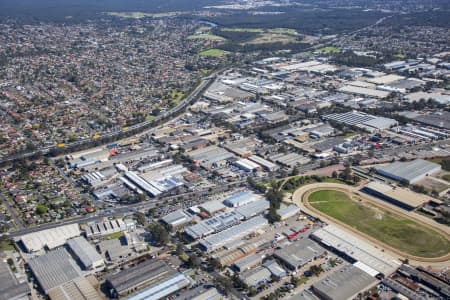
(54, 268)
(356, 248)
(150, 271)
(10, 288)
(409, 170)
(344, 284)
(399, 194)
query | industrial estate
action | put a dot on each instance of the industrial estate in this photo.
(225, 150)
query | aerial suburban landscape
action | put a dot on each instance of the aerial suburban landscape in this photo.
(224, 149)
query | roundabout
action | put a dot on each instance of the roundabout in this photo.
(405, 234)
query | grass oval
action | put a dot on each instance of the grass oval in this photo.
(396, 231)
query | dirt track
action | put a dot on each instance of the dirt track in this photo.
(301, 195)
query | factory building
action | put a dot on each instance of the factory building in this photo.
(299, 253)
(288, 211)
(362, 120)
(256, 276)
(355, 250)
(86, 254)
(96, 229)
(163, 288)
(241, 198)
(49, 238)
(267, 165)
(177, 218)
(232, 234)
(344, 284)
(143, 275)
(248, 262)
(54, 268)
(212, 207)
(10, 287)
(410, 172)
(79, 288)
(247, 165)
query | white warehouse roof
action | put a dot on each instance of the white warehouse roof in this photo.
(85, 252)
(51, 238)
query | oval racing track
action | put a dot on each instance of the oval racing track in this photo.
(301, 195)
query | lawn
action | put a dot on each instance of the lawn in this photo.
(254, 30)
(175, 97)
(213, 53)
(113, 236)
(329, 49)
(392, 229)
(206, 36)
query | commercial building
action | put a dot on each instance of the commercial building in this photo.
(253, 209)
(410, 172)
(209, 294)
(177, 218)
(50, 238)
(241, 198)
(355, 249)
(274, 268)
(143, 275)
(289, 211)
(54, 268)
(96, 229)
(299, 253)
(212, 206)
(210, 157)
(86, 254)
(10, 287)
(232, 234)
(78, 289)
(267, 165)
(212, 225)
(362, 120)
(344, 284)
(162, 288)
(398, 196)
(247, 165)
(248, 262)
(362, 91)
(256, 276)
(229, 257)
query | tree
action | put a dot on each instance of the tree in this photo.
(347, 173)
(140, 218)
(159, 234)
(180, 249)
(334, 174)
(41, 209)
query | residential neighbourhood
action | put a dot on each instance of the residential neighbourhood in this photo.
(174, 155)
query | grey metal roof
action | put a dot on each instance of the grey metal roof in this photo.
(254, 208)
(177, 217)
(409, 170)
(152, 270)
(10, 288)
(54, 268)
(299, 253)
(85, 252)
(345, 283)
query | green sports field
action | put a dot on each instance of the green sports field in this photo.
(399, 232)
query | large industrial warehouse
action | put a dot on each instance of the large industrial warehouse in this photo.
(345, 284)
(146, 274)
(410, 172)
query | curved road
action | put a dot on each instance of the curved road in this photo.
(300, 197)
